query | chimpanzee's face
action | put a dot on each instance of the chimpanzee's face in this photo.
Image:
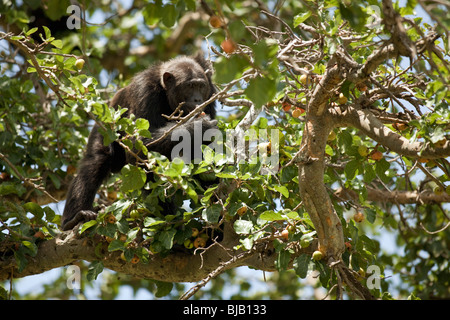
(186, 82)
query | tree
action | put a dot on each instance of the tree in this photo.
(336, 118)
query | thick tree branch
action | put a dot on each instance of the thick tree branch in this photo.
(365, 120)
(325, 89)
(312, 165)
(68, 247)
(313, 192)
(395, 196)
(393, 22)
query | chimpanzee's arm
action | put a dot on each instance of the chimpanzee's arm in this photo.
(192, 131)
(96, 165)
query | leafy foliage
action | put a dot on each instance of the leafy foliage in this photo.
(50, 98)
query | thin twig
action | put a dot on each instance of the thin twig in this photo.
(216, 272)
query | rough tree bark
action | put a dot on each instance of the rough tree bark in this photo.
(68, 247)
(312, 167)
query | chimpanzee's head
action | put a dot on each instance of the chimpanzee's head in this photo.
(186, 81)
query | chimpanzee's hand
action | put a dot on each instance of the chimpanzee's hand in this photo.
(80, 216)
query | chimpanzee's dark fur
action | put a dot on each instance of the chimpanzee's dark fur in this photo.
(153, 92)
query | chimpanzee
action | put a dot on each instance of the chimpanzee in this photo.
(158, 90)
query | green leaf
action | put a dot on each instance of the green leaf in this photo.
(261, 90)
(133, 178)
(307, 238)
(208, 154)
(69, 63)
(288, 173)
(31, 246)
(55, 9)
(57, 43)
(102, 110)
(88, 82)
(151, 14)
(145, 134)
(116, 245)
(345, 138)
(87, 225)
(300, 18)
(411, 297)
(228, 69)
(95, 268)
(371, 215)
(369, 244)
(169, 15)
(301, 267)
(31, 31)
(243, 226)
(163, 288)
(17, 37)
(226, 175)
(20, 259)
(122, 225)
(329, 150)
(208, 194)
(150, 221)
(271, 216)
(190, 4)
(212, 213)
(191, 193)
(131, 235)
(139, 145)
(34, 208)
(353, 14)
(128, 254)
(283, 190)
(49, 214)
(3, 294)
(291, 214)
(178, 165)
(265, 52)
(247, 243)
(47, 31)
(56, 180)
(234, 207)
(142, 124)
(369, 173)
(284, 257)
(166, 238)
(350, 169)
(119, 207)
(437, 134)
(237, 29)
(381, 167)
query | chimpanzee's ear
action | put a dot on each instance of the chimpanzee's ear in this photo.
(205, 64)
(199, 57)
(167, 79)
